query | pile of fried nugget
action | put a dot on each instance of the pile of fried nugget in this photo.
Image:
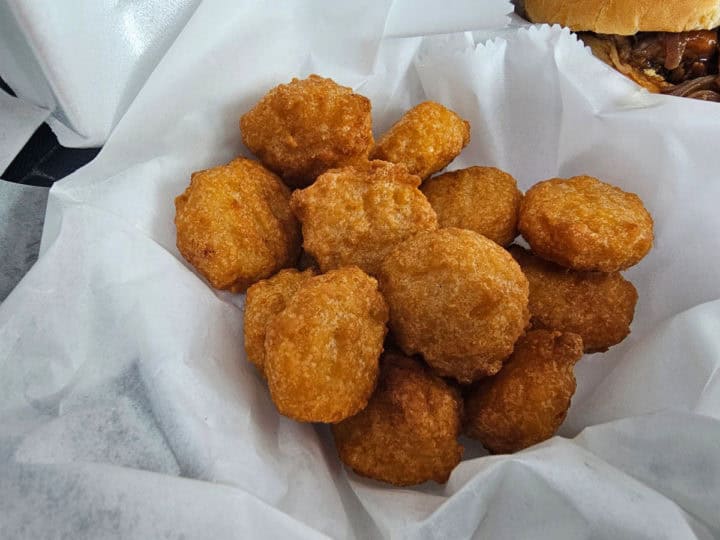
(391, 303)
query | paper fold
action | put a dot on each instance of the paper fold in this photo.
(112, 331)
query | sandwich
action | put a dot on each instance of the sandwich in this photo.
(667, 46)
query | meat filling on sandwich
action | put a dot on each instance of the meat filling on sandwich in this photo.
(682, 64)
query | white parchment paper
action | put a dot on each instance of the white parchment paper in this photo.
(18, 121)
(21, 222)
(127, 408)
(85, 60)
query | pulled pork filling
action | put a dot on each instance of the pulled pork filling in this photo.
(687, 62)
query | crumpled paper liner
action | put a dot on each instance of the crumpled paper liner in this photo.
(127, 405)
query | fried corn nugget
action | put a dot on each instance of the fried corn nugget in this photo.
(483, 199)
(264, 300)
(235, 226)
(585, 224)
(426, 139)
(307, 261)
(301, 129)
(356, 215)
(408, 432)
(527, 401)
(322, 350)
(456, 298)
(598, 307)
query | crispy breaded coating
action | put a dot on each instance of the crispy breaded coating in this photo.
(356, 215)
(408, 432)
(483, 199)
(456, 298)
(307, 261)
(301, 129)
(263, 301)
(322, 350)
(585, 224)
(598, 307)
(235, 226)
(426, 139)
(527, 401)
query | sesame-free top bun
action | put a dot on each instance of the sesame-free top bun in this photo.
(626, 17)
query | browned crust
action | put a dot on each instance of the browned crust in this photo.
(626, 17)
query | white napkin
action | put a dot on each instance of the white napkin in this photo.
(126, 404)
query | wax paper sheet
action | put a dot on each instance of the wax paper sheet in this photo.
(18, 121)
(21, 219)
(86, 60)
(127, 408)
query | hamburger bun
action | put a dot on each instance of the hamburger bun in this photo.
(626, 17)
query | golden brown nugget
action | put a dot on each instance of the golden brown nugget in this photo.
(356, 215)
(301, 129)
(598, 307)
(408, 432)
(264, 300)
(585, 224)
(307, 261)
(456, 298)
(235, 226)
(322, 350)
(527, 401)
(426, 139)
(483, 199)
